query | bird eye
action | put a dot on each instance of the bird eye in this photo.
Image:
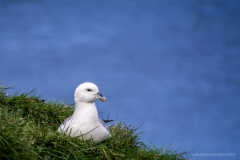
(89, 90)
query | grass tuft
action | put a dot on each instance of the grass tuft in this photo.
(28, 131)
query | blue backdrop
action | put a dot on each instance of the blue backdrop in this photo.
(172, 65)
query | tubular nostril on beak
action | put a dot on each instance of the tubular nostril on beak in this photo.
(100, 94)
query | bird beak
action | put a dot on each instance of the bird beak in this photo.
(100, 96)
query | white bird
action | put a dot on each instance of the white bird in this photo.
(84, 123)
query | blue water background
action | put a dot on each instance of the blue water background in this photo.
(172, 65)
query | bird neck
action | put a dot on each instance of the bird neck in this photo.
(83, 109)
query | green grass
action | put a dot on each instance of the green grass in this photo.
(28, 131)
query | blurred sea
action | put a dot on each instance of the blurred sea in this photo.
(173, 66)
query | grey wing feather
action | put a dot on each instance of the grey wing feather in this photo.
(66, 120)
(103, 123)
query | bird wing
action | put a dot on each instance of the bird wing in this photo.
(103, 123)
